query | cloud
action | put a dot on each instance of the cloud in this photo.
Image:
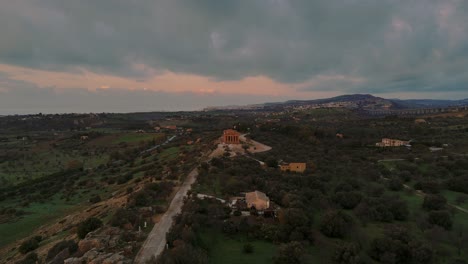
(21, 97)
(298, 45)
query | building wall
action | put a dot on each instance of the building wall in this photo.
(387, 142)
(297, 167)
(231, 136)
(259, 204)
(294, 167)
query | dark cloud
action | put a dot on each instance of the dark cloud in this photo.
(395, 45)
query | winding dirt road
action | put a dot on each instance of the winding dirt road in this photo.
(156, 241)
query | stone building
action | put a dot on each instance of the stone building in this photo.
(294, 167)
(231, 136)
(258, 200)
(388, 142)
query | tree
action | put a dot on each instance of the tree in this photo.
(440, 218)
(395, 184)
(87, 226)
(348, 200)
(399, 209)
(290, 253)
(391, 251)
(434, 202)
(335, 224)
(421, 254)
(184, 253)
(348, 253)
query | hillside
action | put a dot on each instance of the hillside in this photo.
(352, 101)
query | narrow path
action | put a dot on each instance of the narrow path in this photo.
(422, 194)
(156, 241)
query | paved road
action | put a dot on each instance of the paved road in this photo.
(156, 241)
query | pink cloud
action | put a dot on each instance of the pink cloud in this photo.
(174, 82)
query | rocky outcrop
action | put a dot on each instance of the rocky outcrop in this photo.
(60, 257)
(96, 257)
(98, 246)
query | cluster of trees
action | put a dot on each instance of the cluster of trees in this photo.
(348, 189)
(398, 246)
(185, 245)
(152, 194)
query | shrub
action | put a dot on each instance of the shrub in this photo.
(122, 217)
(248, 248)
(31, 258)
(95, 199)
(30, 245)
(87, 226)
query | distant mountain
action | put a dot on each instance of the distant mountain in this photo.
(352, 101)
(341, 98)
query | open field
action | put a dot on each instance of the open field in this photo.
(229, 250)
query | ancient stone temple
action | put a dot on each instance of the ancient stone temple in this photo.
(231, 136)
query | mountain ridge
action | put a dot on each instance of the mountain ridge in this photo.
(356, 101)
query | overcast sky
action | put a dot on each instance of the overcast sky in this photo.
(144, 55)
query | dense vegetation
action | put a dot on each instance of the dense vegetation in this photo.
(355, 203)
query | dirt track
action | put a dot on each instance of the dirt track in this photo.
(156, 241)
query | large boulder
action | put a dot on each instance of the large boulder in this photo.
(60, 257)
(87, 244)
(73, 261)
(114, 259)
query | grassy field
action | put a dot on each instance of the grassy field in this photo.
(451, 197)
(137, 137)
(43, 163)
(37, 214)
(226, 250)
(170, 153)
